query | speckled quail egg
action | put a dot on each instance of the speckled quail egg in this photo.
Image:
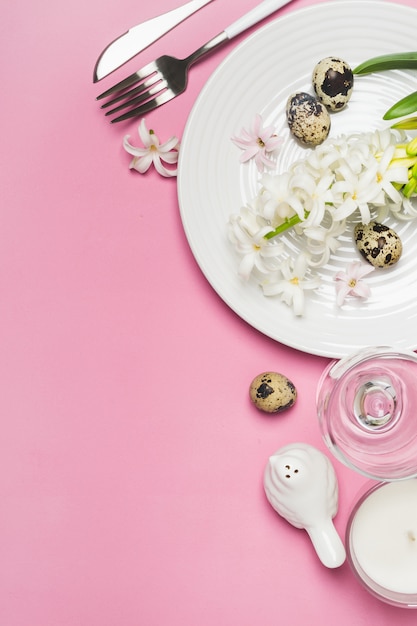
(272, 392)
(333, 82)
(308, 119)
(378, 244)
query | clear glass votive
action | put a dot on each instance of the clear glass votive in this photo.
(367, 411)
(381, 542)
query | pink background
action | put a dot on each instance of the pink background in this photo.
(131, 458)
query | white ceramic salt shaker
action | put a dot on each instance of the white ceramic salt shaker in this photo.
(301, 485)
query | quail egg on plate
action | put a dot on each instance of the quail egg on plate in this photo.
(333, 82)
(378, 244)
(308, 119)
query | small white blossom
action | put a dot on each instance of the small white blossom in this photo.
(357, 192)
(258, 143)
(291, 282)
(279, 198)
(152, 152)
(248, 237)
(317, 194)
(322, 242)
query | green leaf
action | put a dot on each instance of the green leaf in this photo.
(405, 106)
(410, 123)
(397, 61)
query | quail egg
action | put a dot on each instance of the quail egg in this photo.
(308, 119)
(378, 244)
(333, 82)
(272, 392)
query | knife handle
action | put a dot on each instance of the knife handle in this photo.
(264, 9)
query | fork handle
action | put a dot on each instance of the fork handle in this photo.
(264, 9)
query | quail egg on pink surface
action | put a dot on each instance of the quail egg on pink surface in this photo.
(272, 392)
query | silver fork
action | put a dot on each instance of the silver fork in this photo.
(167, 77)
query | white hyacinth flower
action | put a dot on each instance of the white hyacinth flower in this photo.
(154, 152)
(291, 282)
(362, 176)
(248, 237)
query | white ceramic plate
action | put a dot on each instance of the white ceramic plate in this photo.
(257, 77)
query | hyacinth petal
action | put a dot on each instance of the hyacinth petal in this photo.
(300, 265)
(287, 296)
(169, 145)
(340, 277)
(272, 143)
(365, 213)
(265, 160)
(161, 169)
(241, 143)
(133, 150)
(142, 164)
(342, 292)
(170, 157)
(144, 133)
(361, 289)
(246, 266)
(259, 162)
(158, 164)
(298, 302)
(344, 210)
(267, 133)
(249, 153)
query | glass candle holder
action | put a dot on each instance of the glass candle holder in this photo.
(381, 542)
(367, 411)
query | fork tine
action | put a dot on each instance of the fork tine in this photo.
(166, 96)
(136, 77)
(126, 95)
(142, 97)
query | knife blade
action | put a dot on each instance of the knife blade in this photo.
(136, 39)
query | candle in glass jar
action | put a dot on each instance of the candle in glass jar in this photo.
(383, 536)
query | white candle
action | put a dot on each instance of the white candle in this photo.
(383, 536)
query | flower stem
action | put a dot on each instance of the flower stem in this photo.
(289, 223)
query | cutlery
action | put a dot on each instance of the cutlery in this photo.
(167, 77)
(141, 36)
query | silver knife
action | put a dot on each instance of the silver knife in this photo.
(140, 37)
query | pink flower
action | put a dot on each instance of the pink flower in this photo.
(258, 143)
(350, 283)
